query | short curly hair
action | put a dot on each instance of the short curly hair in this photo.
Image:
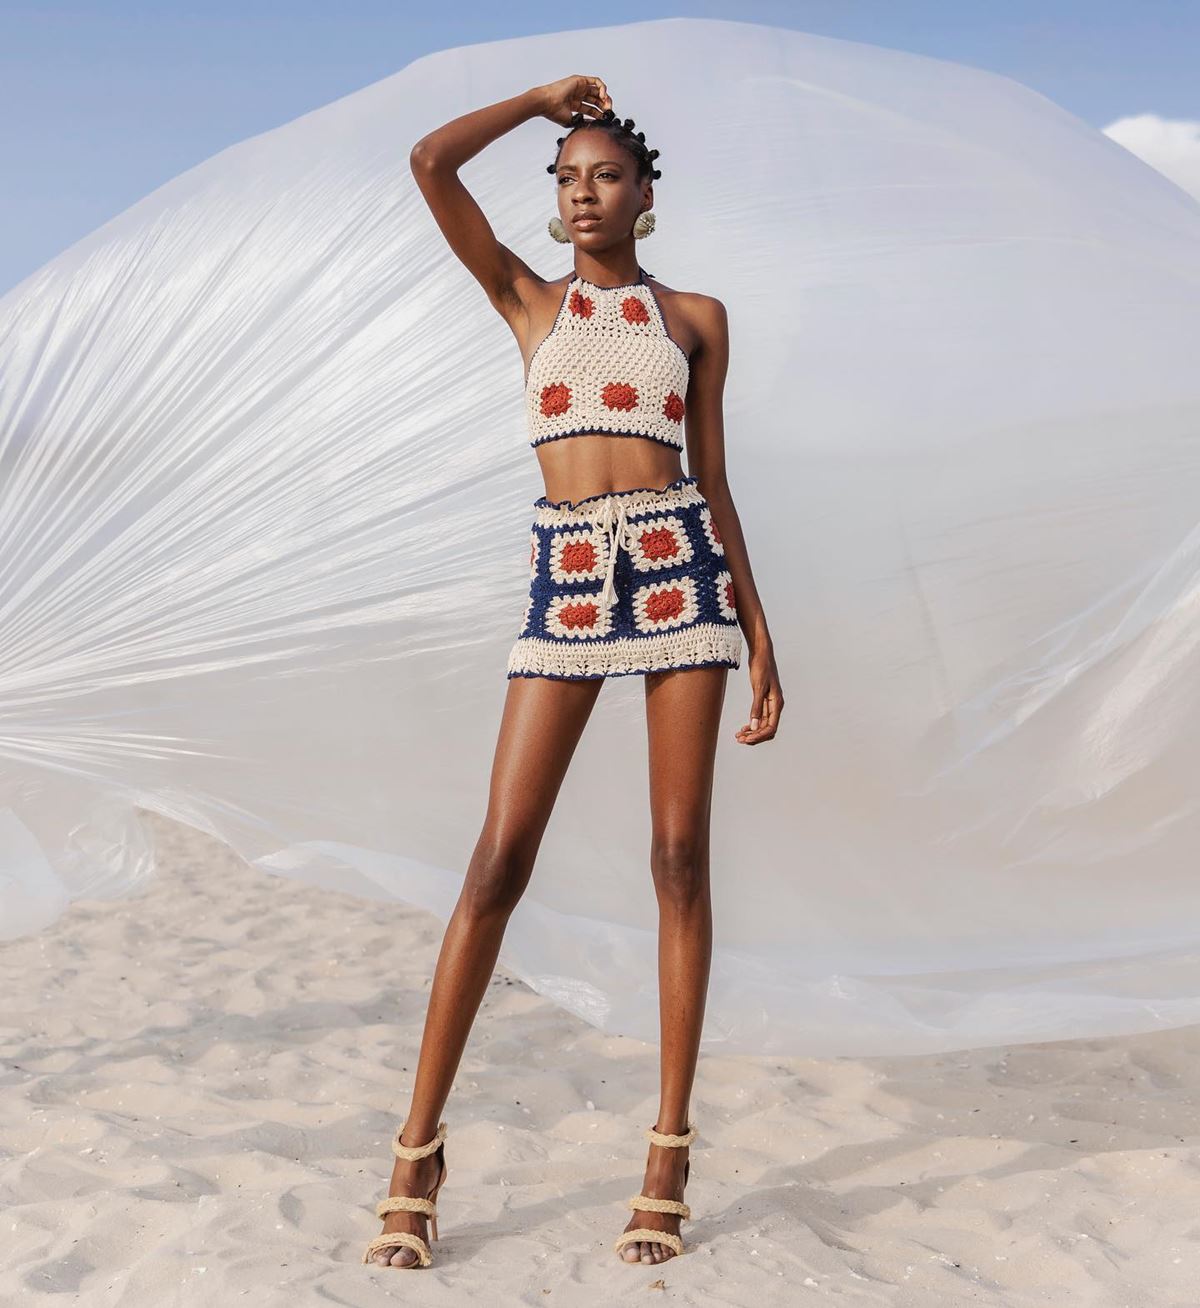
(634, 143)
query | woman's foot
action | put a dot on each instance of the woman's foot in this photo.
(664, 1180)
(408, 1178)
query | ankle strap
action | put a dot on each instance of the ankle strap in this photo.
(671, 1141)
(410, 1153)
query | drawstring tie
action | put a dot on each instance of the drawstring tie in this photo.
(613, 523)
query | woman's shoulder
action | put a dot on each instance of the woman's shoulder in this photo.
(704, 315)
(688, 301)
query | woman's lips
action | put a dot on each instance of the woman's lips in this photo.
(586, 220)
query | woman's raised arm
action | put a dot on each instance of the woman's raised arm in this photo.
(437, 157)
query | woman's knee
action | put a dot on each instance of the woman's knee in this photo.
(496, 879)
(679, 866)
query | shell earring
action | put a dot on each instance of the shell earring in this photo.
(642, 227)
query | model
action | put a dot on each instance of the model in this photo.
(634, 568)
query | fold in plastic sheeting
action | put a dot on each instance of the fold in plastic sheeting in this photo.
(264, 505)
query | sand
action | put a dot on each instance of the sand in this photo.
(199, 1086)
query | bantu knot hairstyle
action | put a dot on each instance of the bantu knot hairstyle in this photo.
(622, 132)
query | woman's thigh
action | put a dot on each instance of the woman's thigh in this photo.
(683, 718)
(542, 722)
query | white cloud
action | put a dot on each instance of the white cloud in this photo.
(1170, 145)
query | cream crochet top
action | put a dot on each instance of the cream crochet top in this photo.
(607, 365)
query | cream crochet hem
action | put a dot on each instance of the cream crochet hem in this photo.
(704, 643)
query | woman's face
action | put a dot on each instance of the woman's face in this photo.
(597, 180)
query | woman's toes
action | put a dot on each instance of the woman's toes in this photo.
(646, 1251)
(396, 1256)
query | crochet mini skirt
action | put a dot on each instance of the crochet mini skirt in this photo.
(625, 582)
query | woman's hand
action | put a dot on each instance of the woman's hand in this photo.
(767, 704)
(573, 95)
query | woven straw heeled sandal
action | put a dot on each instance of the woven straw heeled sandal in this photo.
(649, 1204)
(411, 1204)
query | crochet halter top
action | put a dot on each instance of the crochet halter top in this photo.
(608, 365)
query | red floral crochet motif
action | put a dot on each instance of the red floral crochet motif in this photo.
(579, 556)
(729, 601)
(664, 604)
(619, 395)
(712, 522)
(661, 543)
(556, 399)
(673, 408)
(581, 305)
(633, 310)
(581, 615)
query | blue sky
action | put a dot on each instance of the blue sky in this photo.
(101, 103)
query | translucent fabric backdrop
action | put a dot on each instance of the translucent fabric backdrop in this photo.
(264, 509)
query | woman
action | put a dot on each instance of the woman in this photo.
(633, 569)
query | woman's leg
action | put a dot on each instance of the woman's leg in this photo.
(542, 722)
(683, 714)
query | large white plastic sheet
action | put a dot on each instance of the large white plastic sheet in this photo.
(265, 499)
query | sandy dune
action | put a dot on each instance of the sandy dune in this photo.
(199, 1085)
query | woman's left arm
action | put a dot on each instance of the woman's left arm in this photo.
(705, 432)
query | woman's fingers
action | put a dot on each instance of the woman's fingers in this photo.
(585, 95)
(764, 715)
(774, 708)
(758, 707)
(757, 711)
(596, 93)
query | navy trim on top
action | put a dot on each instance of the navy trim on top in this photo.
(621, 286)
(607, 431)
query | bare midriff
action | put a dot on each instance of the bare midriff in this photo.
(595, 463)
